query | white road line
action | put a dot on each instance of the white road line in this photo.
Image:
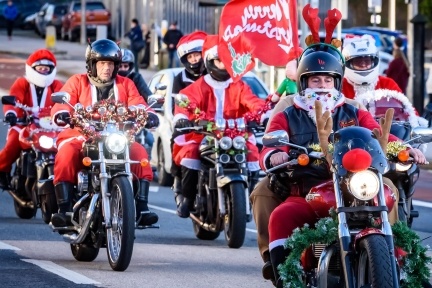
(422, 203)
(154, 188)
(4, 246)
(61, 271)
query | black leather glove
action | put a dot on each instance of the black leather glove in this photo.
(152, 121)
(11, 118)
(183, 123)
(62, 119)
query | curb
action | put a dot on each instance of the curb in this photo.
(55, 52)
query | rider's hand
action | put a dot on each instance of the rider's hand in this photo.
(62, 118)
(278, 158)
(11, 118)
(152, 121)
(183, 123)
(417, 155)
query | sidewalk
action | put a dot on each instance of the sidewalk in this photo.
(70, 55)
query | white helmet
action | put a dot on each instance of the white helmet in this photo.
(361, 47)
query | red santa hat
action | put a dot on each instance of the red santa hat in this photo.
(41, 57)
(192, 42)
(210, 47)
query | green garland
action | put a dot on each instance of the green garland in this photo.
(414, 268)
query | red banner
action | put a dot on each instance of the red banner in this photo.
(262, 29)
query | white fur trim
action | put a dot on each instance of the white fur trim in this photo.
(16, 128)
(81, 138)
(217, 84)
(11, 111)
(191, 163)
(38, 79)
(186, 48)
(265, 159)
(374, 95)
(277, 243)
(253, 166)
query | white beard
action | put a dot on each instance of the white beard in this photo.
(306, 100)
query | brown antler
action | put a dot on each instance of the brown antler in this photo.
(385, 124)
(310, 15)
(324, 124)
(330, 23)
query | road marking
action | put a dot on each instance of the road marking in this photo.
(61, 271)
(4, 246)
(422, 203)
(154, 189)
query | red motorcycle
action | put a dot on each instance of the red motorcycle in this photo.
(31, 184)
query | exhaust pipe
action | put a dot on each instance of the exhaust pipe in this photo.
(202, 224)
(22, 203)
(323, 265)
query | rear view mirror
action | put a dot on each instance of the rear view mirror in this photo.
(8, 100)
(180, 99)
(275, 138)
(421, 135)
(60, 97)
(160, 86)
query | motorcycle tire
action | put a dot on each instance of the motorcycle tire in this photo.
(84, 252)
(374, 267)
(235, 218)
(48, 206)
(120, 237)
(164, 178)
(24, 212)
(203, 234)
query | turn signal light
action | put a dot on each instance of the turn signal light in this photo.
(303, 159)
(403, 155)
(144, 162)
(86, 161)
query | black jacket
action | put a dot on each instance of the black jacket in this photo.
(140, 84)
(172, 36)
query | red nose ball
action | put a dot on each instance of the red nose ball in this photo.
(356, 160)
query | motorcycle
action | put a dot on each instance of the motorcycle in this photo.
(104, 209)
(364, 256)
(403, 172)
(31, 185)
(222, 201)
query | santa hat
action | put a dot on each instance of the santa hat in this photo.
(210, 47)
(192, 42)
(41, 57)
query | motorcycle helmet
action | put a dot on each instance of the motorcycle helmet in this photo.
(320, 59)
(357, 49)
(190, 43)
(102, 50)
(210, 54)
(128, 58)
(41, 57)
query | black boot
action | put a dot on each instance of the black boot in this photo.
(278, 255)
(189, 191)
(177, 189)
(4, 180)
(63, 191)
(267, 269)
(144, 216)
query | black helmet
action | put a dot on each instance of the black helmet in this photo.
(102, 50)
(129, 58)
(196, 69)
(321, 59)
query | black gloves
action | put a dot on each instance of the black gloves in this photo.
(62, 118)
(183, 123)
(152, 121)
(11, 118)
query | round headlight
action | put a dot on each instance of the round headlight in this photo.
(402, 167)
(46, 142)
(225, 143)
(364, 185)
(239, 142)
(116, 143)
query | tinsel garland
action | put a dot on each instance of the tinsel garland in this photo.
(414, 264)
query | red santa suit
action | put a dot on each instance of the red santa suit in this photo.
(24, 89)
(382, 83)
(70, 141)
(227, 100)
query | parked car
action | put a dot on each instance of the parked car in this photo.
(25, 8)
(50, 14)
(29, 22)
(389, 36)
(161, 156)
(96, 15)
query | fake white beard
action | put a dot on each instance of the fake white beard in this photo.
(361, 89)
(330, 100)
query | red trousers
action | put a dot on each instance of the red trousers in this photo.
(11, 150)
(69, 156)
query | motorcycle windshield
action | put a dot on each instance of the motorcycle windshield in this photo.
(353, 137)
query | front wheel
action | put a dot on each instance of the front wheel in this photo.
(235, 217)
(120, 237)
(374, 263)
(48, 206)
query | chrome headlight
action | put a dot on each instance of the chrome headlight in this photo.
(46, 142)
(225, 143)
(402, 167)
(364, 185)
(116, 143)
(239, 142)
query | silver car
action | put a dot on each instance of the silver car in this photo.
(161, 155)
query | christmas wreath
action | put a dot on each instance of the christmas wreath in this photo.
(412, 255)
